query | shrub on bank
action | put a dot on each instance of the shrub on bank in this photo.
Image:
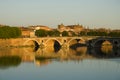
(7, 32)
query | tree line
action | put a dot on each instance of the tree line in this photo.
(7, 32)
(100, 33)
(52, 33)
(55, 33)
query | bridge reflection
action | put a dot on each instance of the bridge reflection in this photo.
(29, 54)
(107, 52)
(9, 61)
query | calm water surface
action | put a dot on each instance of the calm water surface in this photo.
(65, 64)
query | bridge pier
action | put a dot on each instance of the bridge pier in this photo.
(116, 44)
(65, 44)
(42, 45)
(89, 44)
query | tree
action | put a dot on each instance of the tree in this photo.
(114, 34)
(50, 33)
(97, 33)
(64, 33)
(82, 33)
(9, 32)
(41, 33)
(56, 33)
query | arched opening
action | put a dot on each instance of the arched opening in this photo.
(98, 43)
(75, 43)
(76, 40)
(106, 47)
(33, 44)
(106, 43)
(53, 45)
(51, 42)
(36, 46)
(116, 44)
(57, 46)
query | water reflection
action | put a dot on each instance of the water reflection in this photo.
(65, 64)
(10, 57)
(42, 61)
(9, 61)
(104, 52)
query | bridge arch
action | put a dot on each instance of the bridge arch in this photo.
(51, 42)
(99, 42)
(116, 42)
(76, 40)
(31, 42)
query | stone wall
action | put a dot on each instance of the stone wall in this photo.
(11, 42)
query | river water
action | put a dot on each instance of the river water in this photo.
(64, 64)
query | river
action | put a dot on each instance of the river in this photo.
(81, 63)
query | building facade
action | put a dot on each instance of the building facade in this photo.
(75, 28)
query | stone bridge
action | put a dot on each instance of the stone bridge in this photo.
(97, 42)
(43, 41)
(52, 41)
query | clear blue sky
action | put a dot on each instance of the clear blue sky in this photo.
(92, 13)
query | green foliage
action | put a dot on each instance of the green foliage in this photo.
(97, 33)
(82, 33)
(114, 34)
(56, 33)
(44, 33)
(73, 33)
(41, 33)
(50, 33)
(9, 32)
(65, 33)
(100, 33)
(7, 61)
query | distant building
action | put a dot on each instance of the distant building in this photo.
(30, 31)
(74, 28)
(27, 32)
(40, 27)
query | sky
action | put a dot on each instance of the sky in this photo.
(89, 13)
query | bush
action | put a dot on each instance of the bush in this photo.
(97, 33)
(9, 32)
(114, 34)
(41, 33)
(65, 33)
